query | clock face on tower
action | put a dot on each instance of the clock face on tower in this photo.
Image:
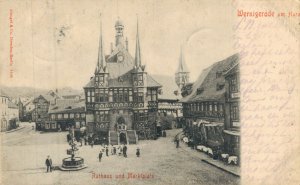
(120, 58)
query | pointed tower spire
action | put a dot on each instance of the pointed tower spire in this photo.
(182, 73)
(101, 57)
(137, 49)
(182, 66)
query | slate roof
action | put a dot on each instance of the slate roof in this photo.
(67, 106)
(207, 81)
(116, 68)
(28, 101)
(120, 72)
(50, 96)
(11, 105)
(168, 87)
(233, 69)
(124, 80)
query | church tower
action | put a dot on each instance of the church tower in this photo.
(182, 73)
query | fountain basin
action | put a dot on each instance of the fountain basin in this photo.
(72, 165)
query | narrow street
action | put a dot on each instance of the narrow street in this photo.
(25, 151)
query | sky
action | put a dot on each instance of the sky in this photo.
(43, 58)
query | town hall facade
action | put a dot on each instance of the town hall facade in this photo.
(121, 97)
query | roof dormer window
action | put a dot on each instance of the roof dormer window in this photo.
(200, 90)
(218, 74)
(220, 86)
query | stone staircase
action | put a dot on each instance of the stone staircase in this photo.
(132, 137)
(113, 138)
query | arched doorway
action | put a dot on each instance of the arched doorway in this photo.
(123, 139)
(121, 120)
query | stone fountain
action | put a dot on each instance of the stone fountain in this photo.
(72, 163)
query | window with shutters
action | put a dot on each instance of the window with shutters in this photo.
(101, 95)
(138, 95)
(234, 112)
(152, 94)
(233, 84)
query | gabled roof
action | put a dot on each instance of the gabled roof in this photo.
(208, 81)
(124, 80)
(50, 96)
(233, 69)
(168, 87)
(152, 83)
(11, 105)
(117, 68)
(28, 102)
(120, 70)
(67, 106)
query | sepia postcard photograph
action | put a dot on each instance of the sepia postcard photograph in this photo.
(149, 92)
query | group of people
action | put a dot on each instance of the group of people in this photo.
(116, 150)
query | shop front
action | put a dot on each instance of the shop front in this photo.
(232, 142)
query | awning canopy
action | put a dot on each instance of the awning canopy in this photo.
(199, 121)
(82, 129)
(214, 124)
(231, 132)
(214, 143)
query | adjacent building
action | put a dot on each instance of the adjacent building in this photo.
(9, 113)
(26, 108)
(232, 111)
(121, 97)
(204, 103)
(169, 107)
(13, 115)
(4, 111)
(42, 103)
(65, 114)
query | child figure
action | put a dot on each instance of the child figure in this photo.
(138, 152)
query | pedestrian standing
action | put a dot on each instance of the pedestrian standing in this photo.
(68, 138)
(100, 155)
(125, 151)
(177, 143)
(112, 150)
(49, 164)
(92, 143)
(106, 151)
(119, 150)
(138, 152)
(115, 150)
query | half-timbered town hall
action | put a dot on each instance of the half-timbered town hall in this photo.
(121, 97)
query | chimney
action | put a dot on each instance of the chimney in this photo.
(111, 47)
